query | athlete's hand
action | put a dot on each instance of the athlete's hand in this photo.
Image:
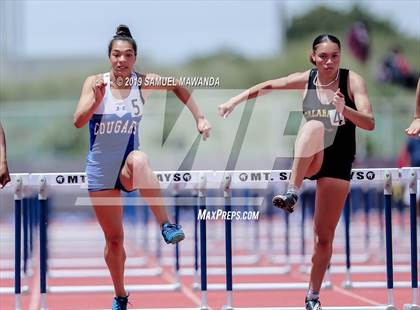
(99, 90)
(226, 108)
(204, 127)
(414, 129)
(339, 101)
(4, 174)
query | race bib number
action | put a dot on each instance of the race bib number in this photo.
(337, 119)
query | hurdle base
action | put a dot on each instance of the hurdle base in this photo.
(43, 302)
(18, 304)
(347, 284)
(109, 288)
(327, 284)
(248, 271)
(389, 307)
(11, 290)
(378, 284)
(100, 273)
(265, 286)
(304, 268)
(411, 307)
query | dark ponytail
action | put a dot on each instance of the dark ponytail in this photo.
(321, 39)
(122, 33)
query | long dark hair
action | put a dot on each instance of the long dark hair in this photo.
(122, 33)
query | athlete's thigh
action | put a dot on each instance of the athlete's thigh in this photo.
(316, 164)
(331, 195)
(310, 139)
(107, 205)
(133, 168)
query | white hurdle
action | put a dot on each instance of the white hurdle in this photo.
(380, 175)
(18, 182)
(214, 180)
(44, 181)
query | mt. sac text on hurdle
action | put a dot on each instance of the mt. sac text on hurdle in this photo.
(174, 177)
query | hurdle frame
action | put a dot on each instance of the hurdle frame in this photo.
(387, 174)
(18, 182)
(47, 179)
(412, 174)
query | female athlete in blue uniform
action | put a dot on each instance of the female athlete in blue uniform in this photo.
(112, 104)
(335, 102)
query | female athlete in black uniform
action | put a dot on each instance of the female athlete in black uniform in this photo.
(335, 102)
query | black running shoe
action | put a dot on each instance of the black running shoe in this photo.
(314, 304)
(120, 303)
(286, 202)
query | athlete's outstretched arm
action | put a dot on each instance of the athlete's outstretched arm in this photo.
(414, 129)
(4, 170)
(203, 125)
(363, 117)
(293, 81)
(92, 94)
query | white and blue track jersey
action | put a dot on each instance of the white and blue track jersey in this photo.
(114, 133)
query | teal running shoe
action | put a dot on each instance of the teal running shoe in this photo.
(120, 303)
(172, 233)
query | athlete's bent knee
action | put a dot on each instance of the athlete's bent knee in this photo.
(137, 160)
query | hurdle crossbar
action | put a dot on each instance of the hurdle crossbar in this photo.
(254, 179)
